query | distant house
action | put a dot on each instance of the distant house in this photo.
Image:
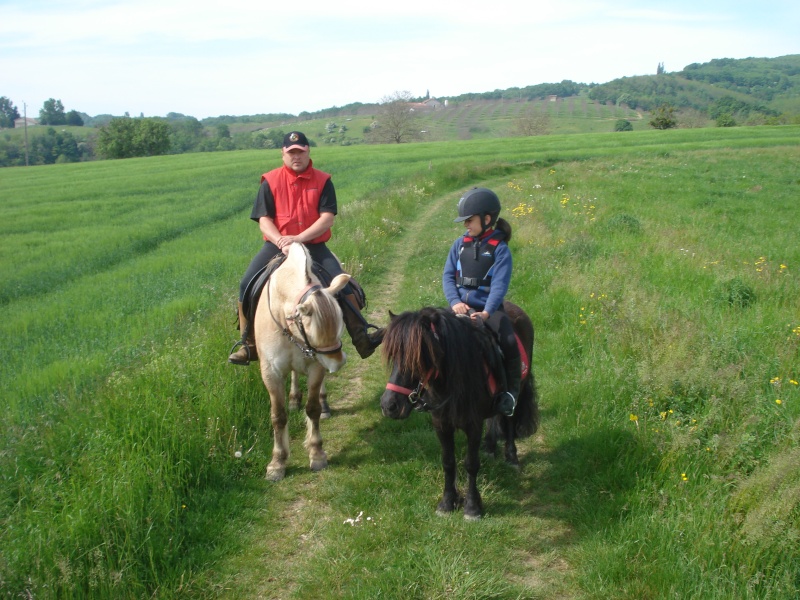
(429, 104)
(552, 98)
(22, 121)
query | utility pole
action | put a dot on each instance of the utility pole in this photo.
(25, 122)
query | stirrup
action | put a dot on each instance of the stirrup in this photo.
(246, 346)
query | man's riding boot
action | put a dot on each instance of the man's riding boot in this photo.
(505, 402)
(247, 345)
(358, 328)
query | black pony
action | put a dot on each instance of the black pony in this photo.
(443, 363)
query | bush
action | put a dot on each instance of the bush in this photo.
(663, 117)
(623, 125)
(736, 293)
(625, 223)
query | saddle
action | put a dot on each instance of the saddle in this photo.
(256, 285)
(495, 358)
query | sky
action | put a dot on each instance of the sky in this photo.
(208, 58)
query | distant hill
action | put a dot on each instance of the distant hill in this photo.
(754, 89)
(745, 87)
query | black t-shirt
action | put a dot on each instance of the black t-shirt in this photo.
(264, 205)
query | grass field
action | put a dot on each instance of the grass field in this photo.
(659, 269)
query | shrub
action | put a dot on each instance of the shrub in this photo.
(736, 293)
(623, 125)
(624, 222)
(663, 117)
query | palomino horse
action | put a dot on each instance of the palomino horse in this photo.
(441, 364)
(298, 327)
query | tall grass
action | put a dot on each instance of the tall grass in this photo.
(660, 273)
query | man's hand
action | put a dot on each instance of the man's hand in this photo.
(285, 242)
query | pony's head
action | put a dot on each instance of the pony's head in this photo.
(437, 363)
(410, 346)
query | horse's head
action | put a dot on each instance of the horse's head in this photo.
(305, 312)
(318, 323)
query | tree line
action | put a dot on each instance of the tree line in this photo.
(117, 137)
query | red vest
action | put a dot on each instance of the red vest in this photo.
(297, 199)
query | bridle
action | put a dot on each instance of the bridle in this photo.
(416, 397)
(305, 346)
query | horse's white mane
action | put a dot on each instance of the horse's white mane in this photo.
(299, 258)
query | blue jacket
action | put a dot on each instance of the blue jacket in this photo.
(479, 298)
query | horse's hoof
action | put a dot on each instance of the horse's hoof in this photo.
(317, 464)
(325, 415)
(443, 513)
(275, 473)
(472, 517)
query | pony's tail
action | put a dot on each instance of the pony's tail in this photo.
(526, 415)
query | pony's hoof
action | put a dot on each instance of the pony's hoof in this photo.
(447, 506)
(472, 517)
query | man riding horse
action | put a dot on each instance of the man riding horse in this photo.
(297, 203)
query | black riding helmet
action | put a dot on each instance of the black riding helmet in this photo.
(478, 201)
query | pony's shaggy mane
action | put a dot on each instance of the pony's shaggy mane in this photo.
(449, 350)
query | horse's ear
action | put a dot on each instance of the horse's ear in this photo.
(392, 316)
(338, 283)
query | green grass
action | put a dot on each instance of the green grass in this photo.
(660, 271)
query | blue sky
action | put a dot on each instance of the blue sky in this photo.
(239, 57)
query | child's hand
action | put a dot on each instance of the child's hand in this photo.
(483, 316)
(460, 308)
